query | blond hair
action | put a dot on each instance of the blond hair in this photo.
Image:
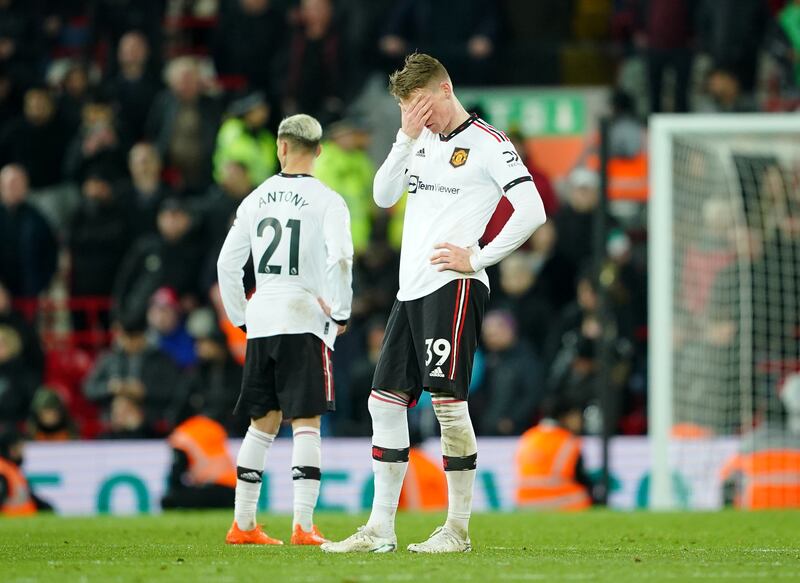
(302, 130)
(419, 70)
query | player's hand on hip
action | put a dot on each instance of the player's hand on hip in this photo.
(451, 257)
(340, 328)
(415, 115)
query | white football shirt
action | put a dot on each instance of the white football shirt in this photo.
(454, 184)
(298, 231)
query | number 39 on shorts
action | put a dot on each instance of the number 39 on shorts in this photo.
(440, 347)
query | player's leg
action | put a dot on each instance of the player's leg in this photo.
(396, 381)
(304, 381)
(306, 475)
(458, 308)
(258, 399)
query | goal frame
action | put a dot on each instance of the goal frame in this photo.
(660, 261)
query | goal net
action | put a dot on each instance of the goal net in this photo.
(724, 266)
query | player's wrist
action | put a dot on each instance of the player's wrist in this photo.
(403, 138)
(475, 262)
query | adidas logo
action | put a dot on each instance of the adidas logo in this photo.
(252, 477)
(421, 153)
(437, 372)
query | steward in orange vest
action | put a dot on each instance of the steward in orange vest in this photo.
(765, 473)
(16, 498)
(203, 474)
(550, 473)
(425, 485)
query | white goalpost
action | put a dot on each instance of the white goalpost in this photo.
(724, 292)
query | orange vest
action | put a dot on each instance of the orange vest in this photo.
(425, 485)
(769, 478)
(627, 177)
(546, 461)
(203, 441)
(19, 501)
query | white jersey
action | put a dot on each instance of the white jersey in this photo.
(298, 231)
(454, 184)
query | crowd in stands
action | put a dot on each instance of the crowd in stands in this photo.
(130, 130)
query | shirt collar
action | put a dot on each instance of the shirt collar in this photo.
(468, 122)
(285, 175)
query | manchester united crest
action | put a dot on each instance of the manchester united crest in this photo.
(459, 157)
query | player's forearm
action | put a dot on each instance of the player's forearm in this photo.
(340, 286)
(528, 216)
(391, 179)
(231, 289)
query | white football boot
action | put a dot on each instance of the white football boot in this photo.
(363, 541)
(443, 540)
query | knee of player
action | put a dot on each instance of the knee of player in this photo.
(452, 414)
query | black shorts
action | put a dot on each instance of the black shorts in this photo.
(430, 342)
(291, 373)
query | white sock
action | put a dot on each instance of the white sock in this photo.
(249, 467)
(389, 412)
(306, 459)
(459, 445)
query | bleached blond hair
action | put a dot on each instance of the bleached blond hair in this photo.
(302, 130)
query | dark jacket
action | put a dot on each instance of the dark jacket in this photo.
(28, 250)
(17, 386)
(99, 238)
(153, 262)
(512, 389)
(40, 149)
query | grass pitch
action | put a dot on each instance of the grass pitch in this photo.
(592, 546)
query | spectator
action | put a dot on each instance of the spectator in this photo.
(345, 167)
(375, 275)
(315, 65)
(245, 138)
(32, 352)
(20, 48)
(731, 32)
(74, 91)
(466, 45)
(37, 139)
(99, 140)
(220, 204)
(49, 419)
(17, 380)
(145, 192)
(28, 247)
(144, 377)
(203, 474)
(128, 420)
(112, 19)
(524, 299)
(16, 497)
(10, 97)
(554, 276)
(575, 222)
(513, 384)
(249, 32)
(167, 330)
(183, 123)
(100, 235)
(173, 257)
(626, 133)
(212, 385)
(724, 94)
(665, 32)
(134, 87)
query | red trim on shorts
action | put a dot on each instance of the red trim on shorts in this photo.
(457, 339)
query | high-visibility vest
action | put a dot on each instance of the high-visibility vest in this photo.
(769, 478)
(425, 484)
(546, 461)
(203, 440)
(19, 501)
